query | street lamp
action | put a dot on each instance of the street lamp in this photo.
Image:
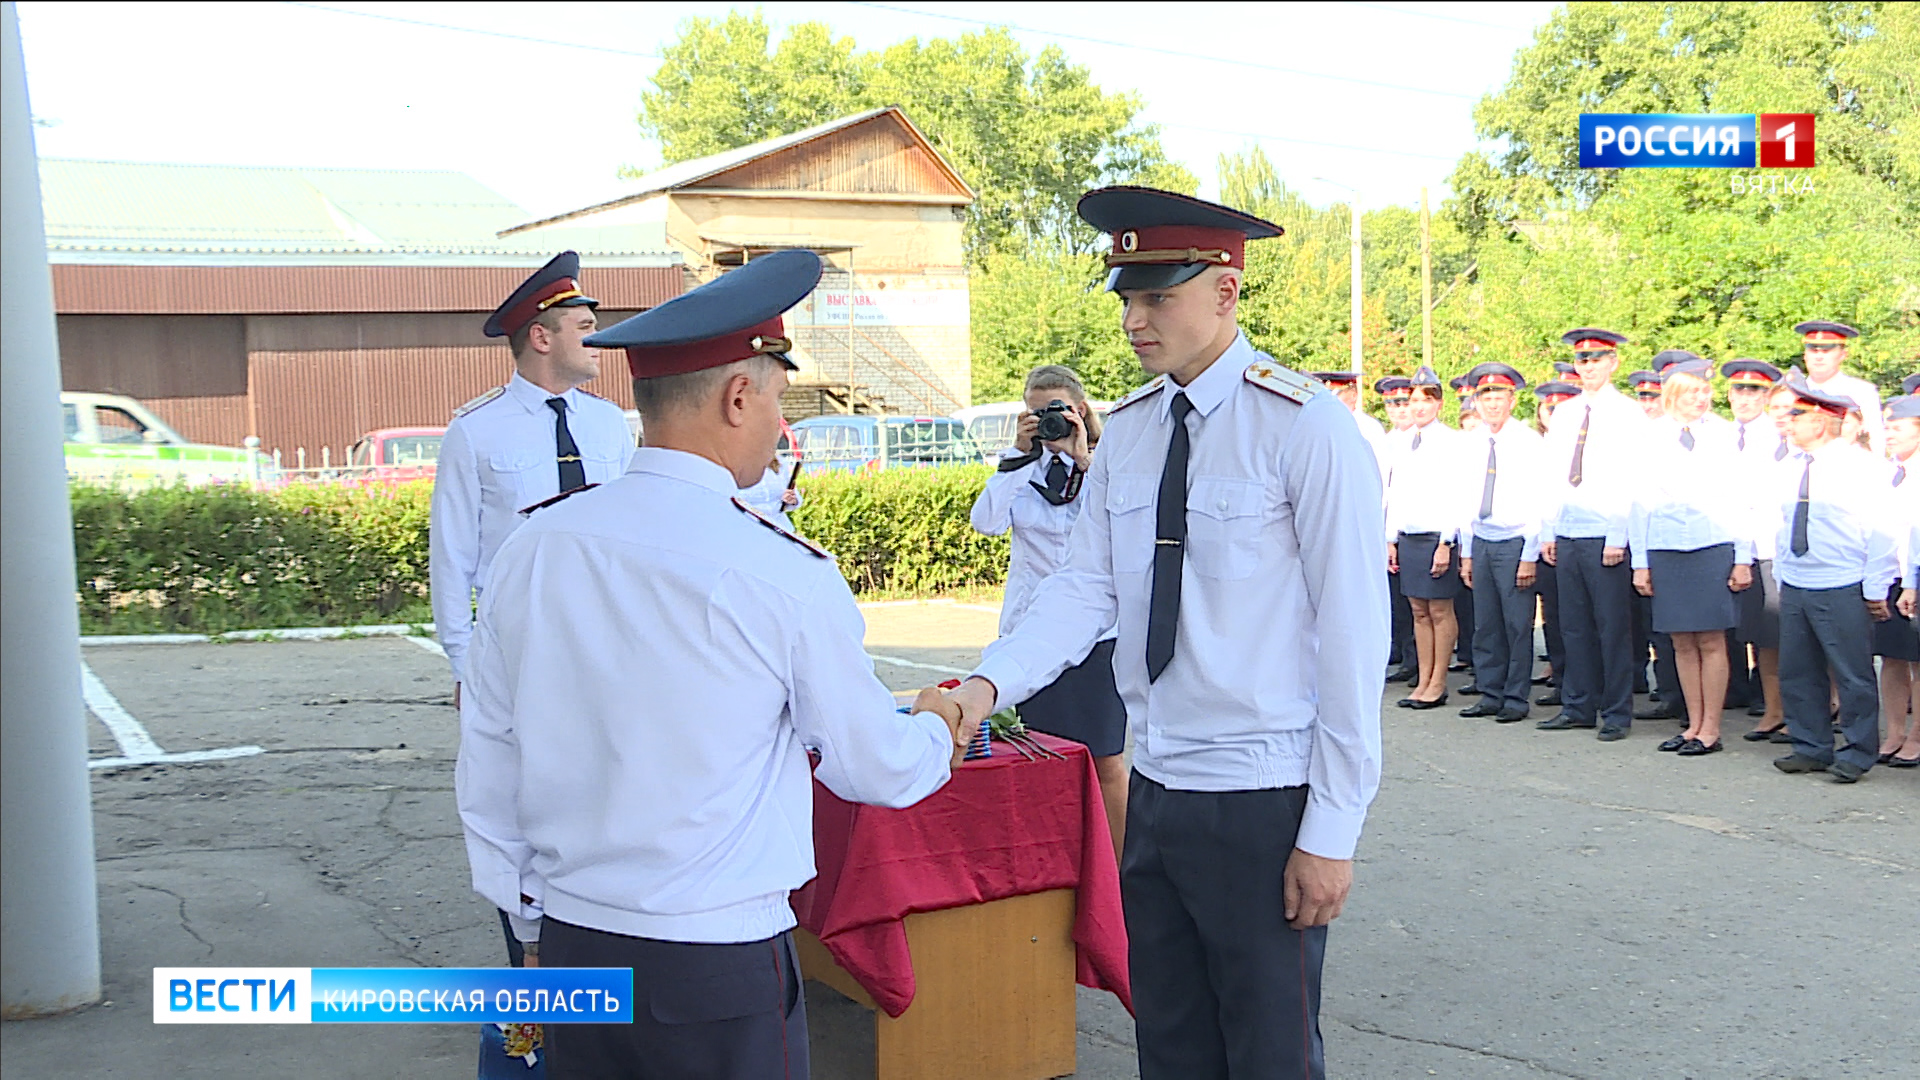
(1353, 208)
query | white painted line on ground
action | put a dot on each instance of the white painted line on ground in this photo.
(428, 644)
(917, 664)
(136, 746)
(294, 633)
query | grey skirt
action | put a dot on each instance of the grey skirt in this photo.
(1690, 592)
(1898, 638)
(1416, 569)
(1759, 606)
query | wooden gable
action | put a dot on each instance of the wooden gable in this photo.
(880, 156)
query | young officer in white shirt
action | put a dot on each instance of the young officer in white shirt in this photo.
(1232, 531)
(1036, 494)
(652, 664)
(1758, 448)
(1500, 550)
(1824, 350)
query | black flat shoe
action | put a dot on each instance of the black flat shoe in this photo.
(1885, 759)
(1551, 697)
(1678, 742)
(1759, 735)
(1405, 703)
(1542, 680)
(1696, 748)
(1416, 703)
(1904, 763)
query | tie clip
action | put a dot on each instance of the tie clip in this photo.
(1164, 540)
(567, 458)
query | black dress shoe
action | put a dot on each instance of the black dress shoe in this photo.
(1471, 690)
(1799, 763)
(1563, 722)
(1405, 675)
(1480, 709)
(1904, 762)
(1780, 735)
(1515, 715)
(1757, 735)
(1416, 703)
(1845, 772)
(1758, 708)
(1551, 697)
(1611, 733)
(1696, 748)
(1405, 703)
(1657, 712)
(1676, 743)
(1884, 758)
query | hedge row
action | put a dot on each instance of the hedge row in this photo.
(213, 559)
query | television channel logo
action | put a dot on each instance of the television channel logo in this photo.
(1696, 141)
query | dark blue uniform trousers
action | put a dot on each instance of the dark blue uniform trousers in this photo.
(1823, 629)
(718, 1012)
(1404, 652)
(1221, 985)
(1596, 621)
(1503, 625)
(1548, 581)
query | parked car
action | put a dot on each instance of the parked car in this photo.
(394, 455)
(867, 443)
(113, 439)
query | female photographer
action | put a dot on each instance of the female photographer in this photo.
(1036, 494)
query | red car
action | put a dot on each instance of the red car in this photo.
(394, 455)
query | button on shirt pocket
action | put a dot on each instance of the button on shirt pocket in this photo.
(1130, 503)
(1224, 522)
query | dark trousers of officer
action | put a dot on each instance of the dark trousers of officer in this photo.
(1503, 625)
(1464, 614)
(718, 1012)
(1596, 619)
(1743, 674)
(1221, 985)
(1405, 652)
(1548, 580)
(1822, 629)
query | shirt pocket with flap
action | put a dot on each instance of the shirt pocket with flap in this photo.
(516, 473)
(1225, 518)
(1130, 516)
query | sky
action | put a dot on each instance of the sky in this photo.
(538, 101)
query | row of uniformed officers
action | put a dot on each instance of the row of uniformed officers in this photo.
(1790, 529)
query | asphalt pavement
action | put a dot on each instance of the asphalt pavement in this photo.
(1526, 903)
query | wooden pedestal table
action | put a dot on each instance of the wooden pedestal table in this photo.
(995, 992)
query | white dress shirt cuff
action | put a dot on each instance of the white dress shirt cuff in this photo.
(1008, 679)
(1328, 831)
(524, 929)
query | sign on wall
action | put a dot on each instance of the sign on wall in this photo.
(884, 307)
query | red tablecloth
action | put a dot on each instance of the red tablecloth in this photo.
(1003, 826)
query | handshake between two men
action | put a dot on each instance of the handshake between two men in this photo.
(964, 708)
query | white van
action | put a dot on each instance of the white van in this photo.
(113, 439)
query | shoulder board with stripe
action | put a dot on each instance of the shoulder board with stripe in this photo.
(1291, 385)
(776, 527)
(479, 401)
(568, 494)
(1141, 394)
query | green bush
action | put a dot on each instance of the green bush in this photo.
(212, 559)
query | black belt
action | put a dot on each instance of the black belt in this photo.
(1420, 536)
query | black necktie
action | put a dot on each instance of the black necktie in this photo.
(1169, 545)
(1055, 489)
(1800, 512)
(1486, 490)
(1575, 473)
(1780, 452)
(573, 473)
(1743, 438)
(1686, 438)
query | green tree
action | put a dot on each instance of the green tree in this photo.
(1040, 307)
(1029, 133)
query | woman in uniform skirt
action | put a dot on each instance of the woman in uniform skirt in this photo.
(1691, 552)
(1897, 641)
(1035, 493)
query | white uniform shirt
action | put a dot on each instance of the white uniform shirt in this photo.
(1601, 503)
(1427, 492)
(1275, 677)
(765, 497)
(1690, 499)
(497, 459)
(1864, 394)
(1040, 532)
(1851, 534)
(1759, 450)
(650, 666)
(1520, 489)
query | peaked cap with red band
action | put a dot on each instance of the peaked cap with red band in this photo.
(556, 284)
(1831, 404)
(1388, 384)
(1666, 358)
(1911, 384)
(1588, 339)
(1820, 332)
(1161, 238)
(733, 317)
(1496, 376)
(1335, 378)
(1744, 371)
(1553, 393)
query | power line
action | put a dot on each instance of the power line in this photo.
(1211, 58)
(1442, 18)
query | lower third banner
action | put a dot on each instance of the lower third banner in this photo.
(392, 995)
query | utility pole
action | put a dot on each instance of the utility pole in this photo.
(49, 909)
(1426, 283)
(1354, 283)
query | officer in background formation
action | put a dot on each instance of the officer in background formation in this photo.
(1426, 512)
(519, 445)
(1824, 350)
(1499, 551)
(1346, 386)
(652, 664)
(1593, 454)
(1758, 447)
(1396, 393)
(1549, 396)
(1645, 386)
(1232, 531)
(1836, 556)
(1468, 420)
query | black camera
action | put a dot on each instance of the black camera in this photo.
(1054, 425)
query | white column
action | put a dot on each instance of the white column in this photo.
(49, 911)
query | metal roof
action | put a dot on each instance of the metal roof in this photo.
(126, 212)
